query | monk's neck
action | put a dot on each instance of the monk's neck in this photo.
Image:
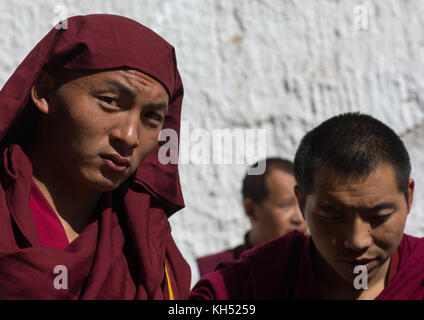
(73, 204)
(256, 237)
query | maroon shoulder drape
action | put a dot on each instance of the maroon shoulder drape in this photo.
(121, 255)
(207, 264)
(282, 269)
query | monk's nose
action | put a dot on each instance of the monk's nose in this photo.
(359, 236)
(296, 217)
(126, 134)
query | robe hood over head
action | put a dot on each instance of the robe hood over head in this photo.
(104, 42)
(128, 252)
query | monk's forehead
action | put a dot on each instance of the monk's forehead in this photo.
(132, 79)
(128, 75)
(381, 182)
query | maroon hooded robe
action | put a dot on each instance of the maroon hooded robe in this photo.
(128, 251)
(282, 269)
(207, 264)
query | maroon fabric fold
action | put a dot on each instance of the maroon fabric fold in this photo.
(123, 253)
(50, 230)
(408, 282)
(283, 269)
(207, 264)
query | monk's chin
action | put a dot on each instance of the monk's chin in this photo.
(359, 275)
(107, 185)
(106, 181)
(102, 183)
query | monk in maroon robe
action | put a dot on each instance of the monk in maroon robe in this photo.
(207, 264)
(355, 192)
(270, 204)
(84, 197)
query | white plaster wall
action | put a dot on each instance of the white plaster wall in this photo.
(283, 66)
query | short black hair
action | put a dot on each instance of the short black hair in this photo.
(254, 186)
(353, 145)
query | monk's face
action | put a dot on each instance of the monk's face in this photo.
(101, 126)
(357, 221)
(279, 212)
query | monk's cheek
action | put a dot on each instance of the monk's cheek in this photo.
(391, 233)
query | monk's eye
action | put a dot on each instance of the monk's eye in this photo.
(108, 100)
(381, 218)
(154, 117)
(285, 205)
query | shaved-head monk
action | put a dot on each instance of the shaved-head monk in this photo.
(84, 199)
(355, 192)
(270, 204)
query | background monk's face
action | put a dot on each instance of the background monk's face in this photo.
(279, 212)
(356, 221)
(100, 126)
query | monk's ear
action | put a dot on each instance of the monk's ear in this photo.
(40, 92)
(300, 199)
(411, 187)
(249, 208)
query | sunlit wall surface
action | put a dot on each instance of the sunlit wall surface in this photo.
(279, 66)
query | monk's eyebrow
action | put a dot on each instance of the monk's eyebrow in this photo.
(160, 106)
(384, 206)
(341, 207)
(121, 87)
(331, 207)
